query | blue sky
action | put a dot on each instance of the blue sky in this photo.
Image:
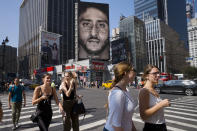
(9, 15)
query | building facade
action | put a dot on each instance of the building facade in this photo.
(192, 35)
(133, 29)
(48, 15)
(167, 11)
(8, 64)
(165, 49)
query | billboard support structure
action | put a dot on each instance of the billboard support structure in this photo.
(76, 31)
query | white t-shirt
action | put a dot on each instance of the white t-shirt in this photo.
(158, 117)
(121, 108)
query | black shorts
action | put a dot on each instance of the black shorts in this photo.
(154, 127)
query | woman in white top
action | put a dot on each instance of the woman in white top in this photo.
(150, 104)
(120, 103)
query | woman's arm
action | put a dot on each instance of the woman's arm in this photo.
(35, 99)
(145, 111)
(56, 100)
(71, 87)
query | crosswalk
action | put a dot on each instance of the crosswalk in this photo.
(181, 116)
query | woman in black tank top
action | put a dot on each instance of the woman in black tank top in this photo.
(69, 94)
(42, 97)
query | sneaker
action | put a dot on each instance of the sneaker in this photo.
(17, 125)
(14, 127)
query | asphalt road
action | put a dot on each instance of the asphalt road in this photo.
(181, 116)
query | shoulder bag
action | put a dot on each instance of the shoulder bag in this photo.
(34, 116)
(79, 108)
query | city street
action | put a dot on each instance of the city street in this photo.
(181, 116)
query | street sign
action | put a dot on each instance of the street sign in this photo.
(189, 59)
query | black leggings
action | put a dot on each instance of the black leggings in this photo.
(43, 123)
(154, 127)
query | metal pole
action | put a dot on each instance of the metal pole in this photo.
(3, 66)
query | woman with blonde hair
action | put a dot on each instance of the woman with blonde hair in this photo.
(42, 97)
(121, 105)
(68, 89)
(151, 106)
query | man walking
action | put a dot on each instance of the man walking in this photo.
(16, 92)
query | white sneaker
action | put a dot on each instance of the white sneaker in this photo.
(14, 127)
(17, 125)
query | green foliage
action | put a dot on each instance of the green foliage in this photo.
(190, 72)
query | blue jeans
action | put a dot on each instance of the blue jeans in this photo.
(104, 129)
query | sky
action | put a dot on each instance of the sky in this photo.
(9, 16)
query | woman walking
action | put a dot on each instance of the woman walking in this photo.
(68, 88)
(42, 96)
(120, 103)
(151, 106)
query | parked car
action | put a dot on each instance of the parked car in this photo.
(107, 84)
(188, 87)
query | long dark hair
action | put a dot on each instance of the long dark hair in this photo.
(54, 48)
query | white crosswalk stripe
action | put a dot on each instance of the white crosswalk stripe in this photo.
(181, 116)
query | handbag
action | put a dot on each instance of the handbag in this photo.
(79, 108)
(34, 116)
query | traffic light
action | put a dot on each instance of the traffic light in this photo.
(161, 58)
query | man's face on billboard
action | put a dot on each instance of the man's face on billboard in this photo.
(93, 27)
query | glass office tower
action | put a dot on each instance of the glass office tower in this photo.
(166, 10)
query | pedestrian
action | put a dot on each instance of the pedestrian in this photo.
(16, 93)
(53, 84)
(42, 97)
(68, 87)
(74, 75)
(151, 106)
(1, 112)
(120, 104)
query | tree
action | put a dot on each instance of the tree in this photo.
(190, 72)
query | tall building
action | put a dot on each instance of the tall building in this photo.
(165, 49)
(191, 9)
(165, 10)
(8, 64)
(192, 35)
(49, 16)
(133, 29)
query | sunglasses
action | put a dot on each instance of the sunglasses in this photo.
(67, 76)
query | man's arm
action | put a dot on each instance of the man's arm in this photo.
(9, 97)
(1, 112)
(24, 97)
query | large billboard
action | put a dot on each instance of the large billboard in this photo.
(93, 31)
(50, 51)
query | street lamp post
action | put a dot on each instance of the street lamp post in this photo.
(3, 59)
